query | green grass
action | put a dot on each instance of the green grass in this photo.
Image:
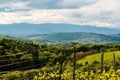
(108, 58)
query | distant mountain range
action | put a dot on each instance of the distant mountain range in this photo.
(55, 33)
(25, 29)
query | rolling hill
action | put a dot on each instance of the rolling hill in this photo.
(81, 37)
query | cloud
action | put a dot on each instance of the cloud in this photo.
(102, 13)
(44, 4)
(101, 7)
(29, 4)
(75, 3)
(34, 16)
(13, 6)
(48, 16)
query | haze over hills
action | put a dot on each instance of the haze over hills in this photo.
(80, 37)
(55, 33)
(25, 29)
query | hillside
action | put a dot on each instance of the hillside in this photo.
(28, 61)
(97, 57)
(80, 37)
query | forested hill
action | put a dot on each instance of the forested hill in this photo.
(81, 37)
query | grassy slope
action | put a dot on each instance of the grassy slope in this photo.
(108, 57)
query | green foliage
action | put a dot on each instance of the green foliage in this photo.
(26, 57)
(1, 50)
(43, 75)
(11, 76)
(44, 56)
(53, 61)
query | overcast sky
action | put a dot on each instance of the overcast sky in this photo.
(101, 13)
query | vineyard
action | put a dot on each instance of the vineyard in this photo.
(21, 60)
